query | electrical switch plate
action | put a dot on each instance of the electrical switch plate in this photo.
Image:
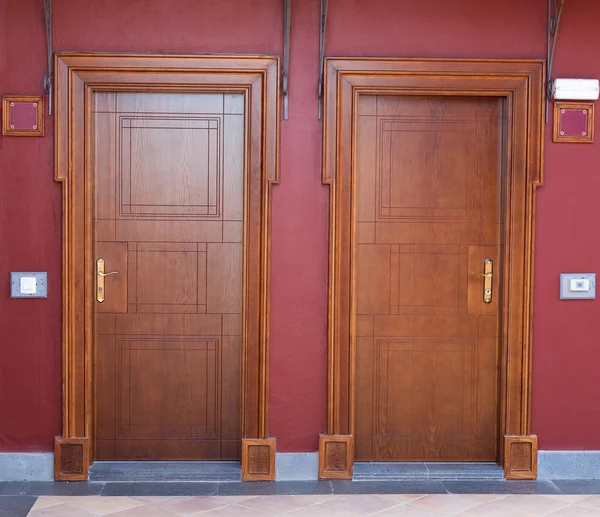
(29, 285)
(577, 286)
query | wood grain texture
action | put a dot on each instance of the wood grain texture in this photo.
(519, 87)
(520, 457)
(336, 456)
(258, 459)
(71, 459)
(429, 193)
(149, 217)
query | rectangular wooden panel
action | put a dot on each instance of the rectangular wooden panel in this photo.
(115, 289)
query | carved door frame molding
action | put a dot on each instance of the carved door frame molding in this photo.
(78, 75)
(521, 84)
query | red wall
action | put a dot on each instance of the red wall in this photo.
(566, 413)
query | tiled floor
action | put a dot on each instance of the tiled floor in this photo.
(329, 505)
(485, 498)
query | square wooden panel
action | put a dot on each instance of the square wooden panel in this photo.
(192, 185)
(336, 456)
(22, 116)
(520, 457)
(169, 387)
(400, 366)
(71, 459)
(573, 122)
(258, 459)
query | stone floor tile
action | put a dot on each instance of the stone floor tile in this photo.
(495, 510)
(99, 505)
(590, 501)
(232, 510)
(150, 499)
(569, 498)
(578, 486)
(408, 510)
(45, 502)
(61, 510)
(366, 504)
(192, 505)
(576, 511)
(501, 487)
(320, 510)
(145, 511)
(276, 505)
(15, 506)
(402, 498)
(316, 498)
(535, 504)
(173, 489)
(486, 498)
(451, 504)
(50, 488)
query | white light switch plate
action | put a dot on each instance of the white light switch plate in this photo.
(578, 286)
(29, 285)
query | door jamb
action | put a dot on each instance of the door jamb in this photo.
(521, 83)
(77, 77)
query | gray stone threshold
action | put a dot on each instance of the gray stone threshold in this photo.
(429, 471)
(166, 471)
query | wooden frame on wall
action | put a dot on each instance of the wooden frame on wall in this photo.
(582, 127)
(28, 112)
(78, 76)
(521, 84)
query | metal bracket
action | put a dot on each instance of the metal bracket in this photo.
(50, 73)
(554, 14)
(322, 34)
(287, 27)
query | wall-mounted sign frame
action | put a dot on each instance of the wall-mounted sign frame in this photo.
(573, 122)
(22, 115)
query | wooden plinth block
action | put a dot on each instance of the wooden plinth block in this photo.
(258, 459)
(71, 459)
(336, 456)
(520, 457)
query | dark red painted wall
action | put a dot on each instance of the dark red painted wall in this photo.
(565, 355)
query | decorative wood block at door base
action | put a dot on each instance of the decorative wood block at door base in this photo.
(71, 459)
(520, 457)
(258, 460)
(336, 456)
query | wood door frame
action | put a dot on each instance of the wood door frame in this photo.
(78, 76)
(521, 84)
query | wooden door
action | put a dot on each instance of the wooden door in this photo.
(429, 213)
(169, 189)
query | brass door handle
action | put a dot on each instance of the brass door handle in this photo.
(100, 290)
(488, 266)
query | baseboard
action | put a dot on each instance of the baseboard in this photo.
(296, 466)
(568, 464)
(21, 466)
(25, 466)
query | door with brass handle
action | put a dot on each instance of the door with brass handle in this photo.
(100, 290)
(487, 275)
